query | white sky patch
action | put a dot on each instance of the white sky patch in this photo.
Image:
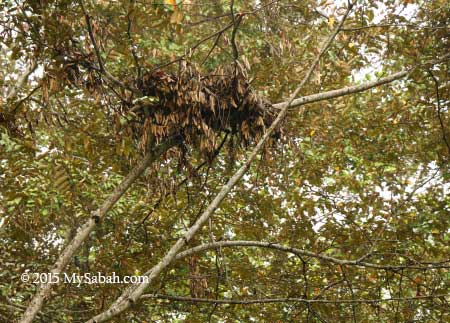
(426, 178)
(369, 72)
(385, 293)
(229, 233)
(407, 11)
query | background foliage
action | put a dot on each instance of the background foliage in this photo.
(366, 173)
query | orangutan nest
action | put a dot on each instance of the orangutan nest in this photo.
(200, 108)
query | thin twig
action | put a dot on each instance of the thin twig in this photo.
(101, 64)
(293, 299)
(438, 98)
(414, 26)
(130, 40)
(19, 103)
(236, 23)
(215, 34)
(193, 48)
(216, 42)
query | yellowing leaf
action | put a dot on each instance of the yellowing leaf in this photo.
(86, 142)
(172, 3)
(176, 18)
(372, 278)
(331, 21)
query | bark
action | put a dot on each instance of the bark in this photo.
(344, 91)
(358, 88)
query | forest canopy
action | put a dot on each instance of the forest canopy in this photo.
(254, 161)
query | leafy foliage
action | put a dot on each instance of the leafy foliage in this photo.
(356, 177)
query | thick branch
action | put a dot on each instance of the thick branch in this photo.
(357, 88)
(132, 294)
(83, 232)
(342, 92)
(300, 252)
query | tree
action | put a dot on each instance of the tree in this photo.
(255, 161)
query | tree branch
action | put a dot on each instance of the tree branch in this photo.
(12, 92)
(342, 92)
(19, 103)
(354, 89)
(132, 294)
(301, 252)
(413, 26)
(438, 99)
(129, 296)
(101, 64)
(193, 48)
(292, 299)
(83, 232)
(236, 23)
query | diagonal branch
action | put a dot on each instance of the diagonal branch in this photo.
(12, 92)
(101, 64)
(132, 294)
(342, 92)
(21, 101)
(358, 88)
(236, 22)
(193, 48)
(130, 40)
(438, 99)
(83, 232)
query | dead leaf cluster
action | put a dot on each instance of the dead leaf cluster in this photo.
(200, 108)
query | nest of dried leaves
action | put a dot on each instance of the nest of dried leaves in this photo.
(200, 108)
(185, 103)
